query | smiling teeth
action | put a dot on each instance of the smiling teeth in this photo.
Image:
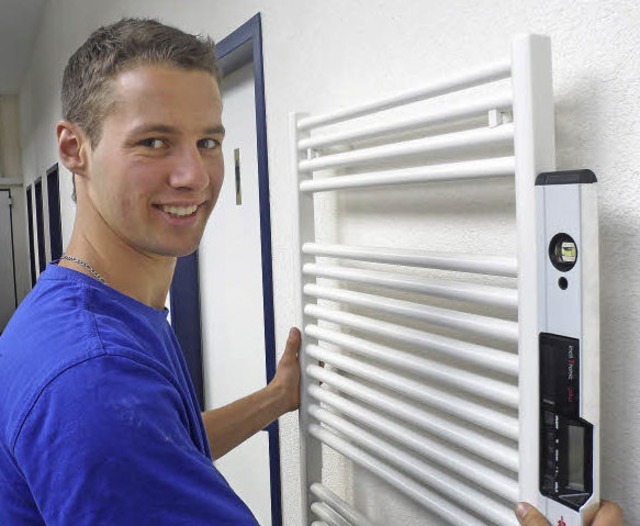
(180, 210)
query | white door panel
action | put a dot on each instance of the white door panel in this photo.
(7, 285)
(246, 468)
(231, 293)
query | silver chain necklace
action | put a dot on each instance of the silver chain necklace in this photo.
(86, 265)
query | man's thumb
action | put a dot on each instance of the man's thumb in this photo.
(529, 516)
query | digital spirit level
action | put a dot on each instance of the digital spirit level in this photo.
(568, 323)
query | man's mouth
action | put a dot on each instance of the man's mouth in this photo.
(180, 211)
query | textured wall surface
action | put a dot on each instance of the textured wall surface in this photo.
(320, 55)
(11, 168)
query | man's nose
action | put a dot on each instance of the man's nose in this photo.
(189, 170)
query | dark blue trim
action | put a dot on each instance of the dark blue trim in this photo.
(32, 251)
(249, 31)
(13, 252)
(42, 255)
(240, 48)
(55, 220)
(185, 318)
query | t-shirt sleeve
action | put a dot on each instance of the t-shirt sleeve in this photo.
(108, 442)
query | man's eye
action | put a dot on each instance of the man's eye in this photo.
(155, 144)
(208, 144)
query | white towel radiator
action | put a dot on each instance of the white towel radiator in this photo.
(449, 422)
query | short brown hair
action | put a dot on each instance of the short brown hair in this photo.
(86, 85)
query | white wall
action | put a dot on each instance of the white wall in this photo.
(322, 54)
(9, 138)
(11, 170)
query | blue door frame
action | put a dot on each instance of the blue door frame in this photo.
(32, 237)
(42, 255)
(55, 220)
(240, 48)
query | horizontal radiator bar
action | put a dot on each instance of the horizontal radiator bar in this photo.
(434, 478)
(491, 265)
(463, 465)
(472, 323)
(429, 499)
(455, 290)
(328, 515)
(482, 416)
(464, 140)
(453, 112)
(476, 384)
(482, 75)
(354, 517)
(471, 353)
(457, 435)
(465, 170)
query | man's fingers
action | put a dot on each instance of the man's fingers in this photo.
(293, 341)
(609, 514)
(529, 516)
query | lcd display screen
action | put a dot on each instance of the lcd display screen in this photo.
(575, 479)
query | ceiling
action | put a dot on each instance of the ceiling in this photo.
(18, 25)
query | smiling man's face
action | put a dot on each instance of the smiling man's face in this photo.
(155, 175)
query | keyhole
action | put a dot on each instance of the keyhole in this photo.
(236, 158)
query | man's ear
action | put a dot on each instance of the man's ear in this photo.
(73, 147)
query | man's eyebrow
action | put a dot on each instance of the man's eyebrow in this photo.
(215, 130)
(153, 128)
(164, 128)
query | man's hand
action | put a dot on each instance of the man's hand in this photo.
(609, 514)
(232, 424)
(286, 381)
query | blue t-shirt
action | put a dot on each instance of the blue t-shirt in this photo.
(99, 423)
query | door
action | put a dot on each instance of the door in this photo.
(55, 221)
(232, 293)
(235, 348)
(8, 300)
(42, 255)
(32, 247)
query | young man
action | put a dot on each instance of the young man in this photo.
(99, 424)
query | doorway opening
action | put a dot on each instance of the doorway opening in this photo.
(243, 220)
(8, 289)
(55, 220)
(42, 254)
